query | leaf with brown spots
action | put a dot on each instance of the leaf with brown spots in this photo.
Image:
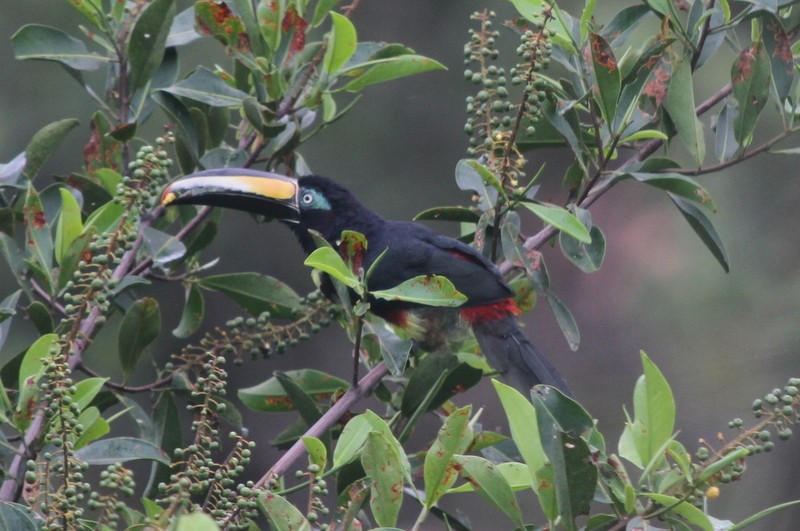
(606, 76)
(217, 20)
(750, 76)
(382, 465)
(440, 470)
(779, 50)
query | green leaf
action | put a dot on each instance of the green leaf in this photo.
(606, 75)
(440, 469)
(8, 308)
(205, 86)
(524, 427)
(179, 114)
(723, 462)
(196, 521)
(430, 290)
(575, 476)
(679, 185)
(561, 219)
(654, 416)
(457, 376)
(761, 514)
(257, 293)
(148, 39)
(532, 10)
(680, 106)
(683, 509)
(87, 390)
(35, 41)
(301, 400)
(566, 322)
(394, 350)
(779, 50)
(92, 10)
(121, 450)
(455, 213)
(704, 228)
(383, 70)
(94, 427)
(490, 482)
(351, 440)
(327, 260)
(140, 326)
(382, 465)
(342, 41)
(588, 257)
(162, 247)
(44, 143)
(282, 515)
(317, 451)
(19, 517)
(31, 368)
(516, 475)
(182, 29)
(69, 224)
(725, 144)
(270, 395)
(193, 312)
(750, 76)
(471, 175)
(557, 412)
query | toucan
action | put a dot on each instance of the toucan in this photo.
(410, 249)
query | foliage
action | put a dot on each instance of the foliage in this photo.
(82, 248)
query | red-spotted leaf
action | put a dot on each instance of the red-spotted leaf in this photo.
(779, 50)
(430, 290)
(382, 465)
(704, 228)
(606, 76)
(217, 20)
(750, 76)
(270, 395)
(37, 230)
(440, 469)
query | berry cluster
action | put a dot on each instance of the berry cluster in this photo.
(494, 121)
(117, 480)
(317, 487)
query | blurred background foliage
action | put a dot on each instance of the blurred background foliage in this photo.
(720, 339)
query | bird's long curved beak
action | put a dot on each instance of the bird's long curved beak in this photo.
(258, 192)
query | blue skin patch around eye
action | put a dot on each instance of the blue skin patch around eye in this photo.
(317, 201)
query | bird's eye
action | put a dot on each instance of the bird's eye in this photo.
(307, 198)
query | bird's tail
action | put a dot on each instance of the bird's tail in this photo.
(514, 356)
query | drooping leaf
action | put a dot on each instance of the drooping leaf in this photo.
(586, 256)
(257, 293)
(148, 39)
(556, 411)
(179, 114)
(680, 106)
(270, 395)
(473, 176)
(440, 469)
(140, 326)
(44, 143)
(382, 465)
(121, 450)
(301, 400)
(382, 70)
(35, 41)
(193, 312)
(163, 248)
(565, 320)
(704, 228)
(7, 309)
(679, 185)
(750, 76)
(182, 30)
(725, 143)
(394, 349)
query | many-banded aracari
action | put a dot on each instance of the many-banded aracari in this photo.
(412, 249)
